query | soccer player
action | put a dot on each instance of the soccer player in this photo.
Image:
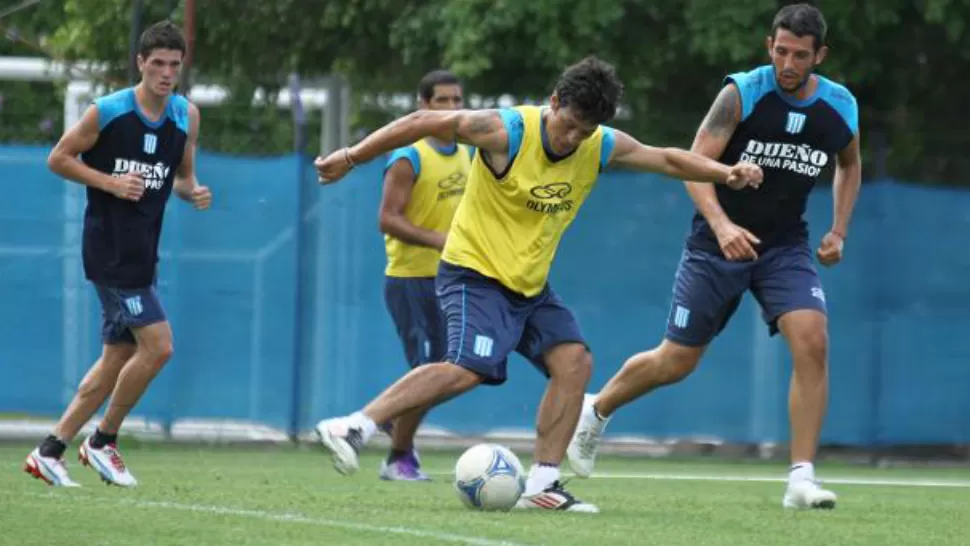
(792, 123)
(534, 168)
(423, 184)
(135, 147)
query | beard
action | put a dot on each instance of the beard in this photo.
(792, 88)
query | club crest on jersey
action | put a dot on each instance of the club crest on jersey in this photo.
(150, 143)
(795, 123)
(154, 175)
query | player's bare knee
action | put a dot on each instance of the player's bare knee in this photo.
(810, 346)
(458, 378)
(570, 364)
(158, 351)
(675, 362)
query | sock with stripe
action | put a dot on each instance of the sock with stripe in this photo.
(541, 476)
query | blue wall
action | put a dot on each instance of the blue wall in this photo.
(276, 303)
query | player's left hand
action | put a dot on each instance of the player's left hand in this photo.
(744, 175)
(201, 197)
(333, 167)
(829, 252)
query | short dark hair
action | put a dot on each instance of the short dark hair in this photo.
(801, 20)
(162, 35)
(591, 88)
(431, 79)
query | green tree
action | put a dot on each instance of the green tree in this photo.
(903, 59)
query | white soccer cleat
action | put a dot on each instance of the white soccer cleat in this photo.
(585, 442)
(807, 495)
(556, 498)
(343, 441)
(48, 469)
(107, 462)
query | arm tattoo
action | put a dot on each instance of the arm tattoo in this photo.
(722, 118)
(481, 124)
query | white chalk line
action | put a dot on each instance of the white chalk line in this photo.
(286, 517)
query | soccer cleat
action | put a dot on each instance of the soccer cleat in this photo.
(344, 443)
(406, 469)
(555, 497)
(807, 495)
(48, 469)
(107, 462)
(585, 442)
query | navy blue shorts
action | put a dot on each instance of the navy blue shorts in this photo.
(123, 309)
(708, 289)
(420, 324)
(487, 321)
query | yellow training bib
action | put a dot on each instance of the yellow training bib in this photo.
(509, 227)
(438, 188)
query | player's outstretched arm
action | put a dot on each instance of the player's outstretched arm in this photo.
(480, 128)
(677, 163)
(64, 161)
(186, 185)
(398, 183)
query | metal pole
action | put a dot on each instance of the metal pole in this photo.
(300, 276)
(137, 8)
(189, 30)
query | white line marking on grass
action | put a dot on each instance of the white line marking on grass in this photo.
(897, 482)
(837, 481)
(291, 518)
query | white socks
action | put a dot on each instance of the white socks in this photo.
(801, 471)
(367, 425)
(540, 478)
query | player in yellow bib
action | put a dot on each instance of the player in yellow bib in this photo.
(423, 184)
(533, 170)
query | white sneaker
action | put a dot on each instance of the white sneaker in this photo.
(585, 442)
(556, 498)
(806, 494)
(343, 441)
(50, 470)
(107, 462)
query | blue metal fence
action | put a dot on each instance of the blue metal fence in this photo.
(259, 338)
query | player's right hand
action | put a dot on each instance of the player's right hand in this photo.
(744, 175)
(737, 244)
(333, 167)
(129, 187)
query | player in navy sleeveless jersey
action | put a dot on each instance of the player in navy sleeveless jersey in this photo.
(131, 149)
(794, 124)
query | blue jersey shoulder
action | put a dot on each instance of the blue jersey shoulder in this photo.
(514, 128)
(407, 153)
(178, 110)
(752, 87)
(842, 101)
(113, 106)
(606, 147)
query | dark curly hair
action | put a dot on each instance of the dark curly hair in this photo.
(801, 20)
(591, 88)
(161, 35)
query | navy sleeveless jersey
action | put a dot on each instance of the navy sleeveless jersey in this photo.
(793, 141)
(121, 237)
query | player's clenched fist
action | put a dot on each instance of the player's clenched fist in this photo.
(129, 187)
(333, 167)
(201, 197)
(744, 175)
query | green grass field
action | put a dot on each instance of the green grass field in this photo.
(278, 496)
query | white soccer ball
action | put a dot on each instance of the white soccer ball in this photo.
(489, 477)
